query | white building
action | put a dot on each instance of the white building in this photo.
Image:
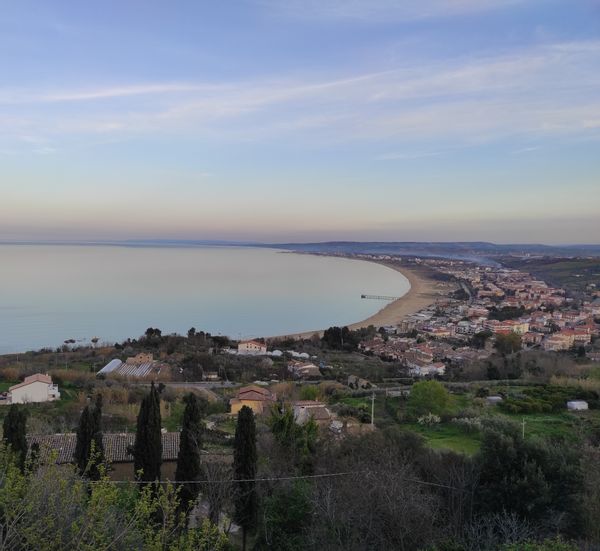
(577, 405)
(252, 347)
(35, 388)
(428, 369)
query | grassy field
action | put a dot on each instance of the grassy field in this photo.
(448, 436)
(5, 385)
(572, 274)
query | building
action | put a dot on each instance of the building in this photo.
(35, 388)
(427, 369)
(137, 367)
(60, 449)
(304, 410)
(252, 347)
(258, 399)
(304, 370)
(577, 405)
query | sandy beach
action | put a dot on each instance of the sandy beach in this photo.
(423, 291)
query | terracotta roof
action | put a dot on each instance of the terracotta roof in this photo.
(115, 446)
(254, 392)
(37, 378)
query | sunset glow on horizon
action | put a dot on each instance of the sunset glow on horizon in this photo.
(301, 121)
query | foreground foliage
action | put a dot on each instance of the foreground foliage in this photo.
(55, 509)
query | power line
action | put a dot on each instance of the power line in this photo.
(274, 479)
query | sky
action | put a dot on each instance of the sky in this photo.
(300, 120)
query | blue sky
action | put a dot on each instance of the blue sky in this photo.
(301, 120)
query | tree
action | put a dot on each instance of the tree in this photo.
(147, 450)
(298, 442)
(244, 471)
(190, 446)
(478, 340)
(89, 449)
(508, 344)
(537, 481)
(286, 515)
(428, 397)
(54, 509)
(340, 338)
(15, 433)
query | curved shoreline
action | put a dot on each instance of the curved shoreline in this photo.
(423, 292)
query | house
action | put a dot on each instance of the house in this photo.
(532, 338)
(304, 410)
(258, 399)
(35, 388)
(60, 449)
(304, 370)
(252, 348)
(437, 368)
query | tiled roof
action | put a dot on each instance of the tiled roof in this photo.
(115, 446)
(37, 378)
(254, 392)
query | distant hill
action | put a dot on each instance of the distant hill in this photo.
(464, 250)
(460, 250)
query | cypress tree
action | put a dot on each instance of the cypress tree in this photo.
(190, 446)
(15, 433)
(89, 449)
(244, 471)
(147, 450)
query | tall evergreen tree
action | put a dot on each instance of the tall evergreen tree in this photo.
(89, 449)
(244, 471)
(147, 450)
(190, 446)
(15, 432)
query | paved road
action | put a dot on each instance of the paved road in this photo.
(195, 384)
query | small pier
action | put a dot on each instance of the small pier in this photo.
(379, 297)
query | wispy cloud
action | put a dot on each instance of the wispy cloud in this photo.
(542, 91)
(530, 149)
(380, 10)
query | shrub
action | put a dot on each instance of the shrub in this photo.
(428, 397)
(469, 424)
(429, 420)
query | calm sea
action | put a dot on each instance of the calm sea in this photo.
(52, 293)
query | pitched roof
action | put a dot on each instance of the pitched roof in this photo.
(255, 392)
(257, 343)
(115, 446)
(37, 378)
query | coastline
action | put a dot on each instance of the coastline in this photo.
(423, 292)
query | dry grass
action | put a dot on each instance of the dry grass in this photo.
(10, 373)
(72, 376)
(586, 384)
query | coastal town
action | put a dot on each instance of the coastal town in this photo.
(492, 303)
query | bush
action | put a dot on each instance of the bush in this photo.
(428, 397)
(309, 392)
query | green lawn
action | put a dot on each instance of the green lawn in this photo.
(568, 426)
(4, 386)
(448, 436)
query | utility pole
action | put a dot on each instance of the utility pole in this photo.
(373, 409)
